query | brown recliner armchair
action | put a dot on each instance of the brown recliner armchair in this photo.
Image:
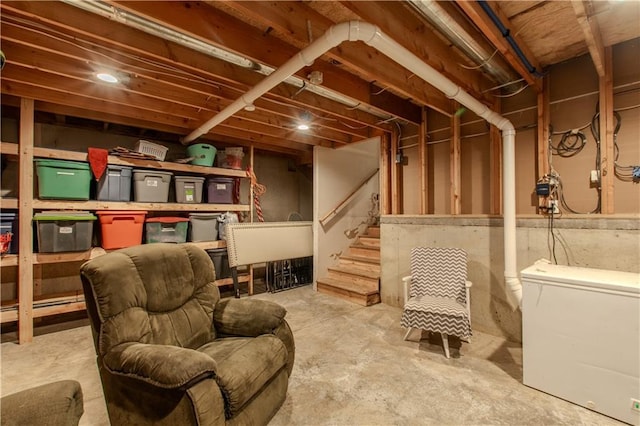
(169, 351)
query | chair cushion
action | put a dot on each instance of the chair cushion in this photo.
(245, 365)
(437, 314)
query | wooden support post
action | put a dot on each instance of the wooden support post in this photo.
(424, 164)
(454, 168)
(251, 186)
(385, 174)
(25, 215)
(607, 166)
(396, 174)
(543, 166)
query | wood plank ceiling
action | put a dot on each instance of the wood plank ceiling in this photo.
(54, 50)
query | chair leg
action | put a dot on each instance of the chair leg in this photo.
(406, 336)
(445, 344)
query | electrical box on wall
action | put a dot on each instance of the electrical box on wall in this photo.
(543, 188)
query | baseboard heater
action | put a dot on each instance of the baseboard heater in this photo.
(249, 243)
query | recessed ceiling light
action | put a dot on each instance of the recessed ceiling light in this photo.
(303, 126)
(109, 78)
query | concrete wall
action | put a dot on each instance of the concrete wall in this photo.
(336, 173)
(602, 243)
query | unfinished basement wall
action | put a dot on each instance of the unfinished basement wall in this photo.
(336, 174)
(587, 241)
(574, 93)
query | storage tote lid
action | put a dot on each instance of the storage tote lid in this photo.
(190, 178)
(121, 212)
(62, 215)
(62, 164)
(204, 215)
(220, 179)
(167, 219)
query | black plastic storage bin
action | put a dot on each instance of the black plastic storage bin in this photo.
(220, 262)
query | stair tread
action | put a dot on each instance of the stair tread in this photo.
(361, 272)
(363, 259)
(365, 246)
(349, 286)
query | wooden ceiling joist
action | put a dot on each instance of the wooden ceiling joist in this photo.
(222, 30)
(486, 26)
(584, 14)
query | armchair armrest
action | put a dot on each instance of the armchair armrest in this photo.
(247, 317)
(468, 284)
(406, 284)
(164, 366)
(58, 403)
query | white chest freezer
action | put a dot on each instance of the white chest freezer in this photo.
(581, 337)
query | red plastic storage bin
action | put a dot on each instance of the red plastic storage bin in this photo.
(120, 228)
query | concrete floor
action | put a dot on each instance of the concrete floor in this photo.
(352, 368)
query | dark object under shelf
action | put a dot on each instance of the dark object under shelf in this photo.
(287, 274)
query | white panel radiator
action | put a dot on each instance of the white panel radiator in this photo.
(581, 337)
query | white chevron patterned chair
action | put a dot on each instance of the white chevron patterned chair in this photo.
(436, 294)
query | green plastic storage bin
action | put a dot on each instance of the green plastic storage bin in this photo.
(166, 229)
(60, 179)
(203, 154)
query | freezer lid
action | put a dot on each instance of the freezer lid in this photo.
(547, 273)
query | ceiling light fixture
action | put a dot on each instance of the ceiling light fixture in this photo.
(106, 77)
(305, 118)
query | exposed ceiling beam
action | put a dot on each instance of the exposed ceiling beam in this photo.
(585, 15)
(486, 26)
(296, 22)
(90, 31)
(405, 27)
(220, 29)
(127, 121)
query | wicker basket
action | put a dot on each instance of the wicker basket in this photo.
(153, 149)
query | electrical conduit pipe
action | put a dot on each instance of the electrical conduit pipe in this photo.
(374, 37)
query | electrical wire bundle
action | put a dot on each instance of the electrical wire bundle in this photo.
(570, 144)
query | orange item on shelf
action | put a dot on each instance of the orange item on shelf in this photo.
(121, 228)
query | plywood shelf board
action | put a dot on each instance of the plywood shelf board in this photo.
(132, 205)
(9, 148)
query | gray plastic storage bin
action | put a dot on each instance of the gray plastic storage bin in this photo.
(220, 190)
(151, 186)
(203, 226)
(220, 262)
(60, 231)
(189, 189)
(115, 184)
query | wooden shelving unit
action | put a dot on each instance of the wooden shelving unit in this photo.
(27, 306)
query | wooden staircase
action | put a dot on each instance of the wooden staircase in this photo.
(356, 277)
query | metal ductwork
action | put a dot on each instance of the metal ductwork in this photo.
(457, 35)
